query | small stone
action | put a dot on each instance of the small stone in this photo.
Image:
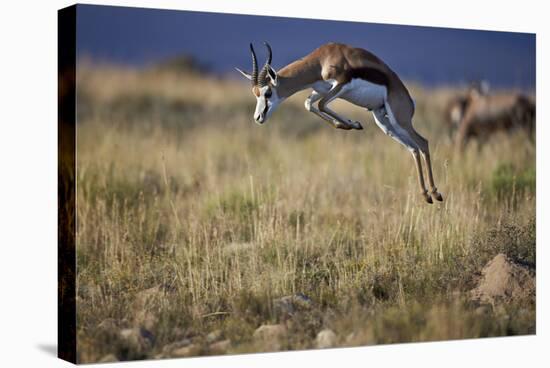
(214, 336)
(269, 336)
(167, 349)
(220, 347)
(109, 358)
(325, 339)
(127, 333)
(185, 351)
(268, 332)
(136, 340)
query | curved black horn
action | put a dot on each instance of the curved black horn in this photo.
(268, 62)
(262, 80)
(254, 66)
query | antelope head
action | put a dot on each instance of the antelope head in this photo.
(478, 89)
(264, 86)
(458, 106)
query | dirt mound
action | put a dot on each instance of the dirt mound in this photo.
(502, 281)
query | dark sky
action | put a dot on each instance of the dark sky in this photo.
(138, 36)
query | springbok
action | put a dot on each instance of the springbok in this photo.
(454, 110)
(480, 114)
(339, 71)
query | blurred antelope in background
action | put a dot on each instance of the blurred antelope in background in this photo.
(480, 114)
(355, 75)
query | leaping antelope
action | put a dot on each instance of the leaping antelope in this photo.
(353, 74)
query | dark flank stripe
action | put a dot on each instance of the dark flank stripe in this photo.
(370, 74)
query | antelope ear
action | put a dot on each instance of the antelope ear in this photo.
(272, 75)
(484, 87)
(245, 74)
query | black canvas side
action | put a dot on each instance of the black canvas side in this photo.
(66, 270)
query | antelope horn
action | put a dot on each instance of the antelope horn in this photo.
(268, 62)
(262, 80)
(254, 66)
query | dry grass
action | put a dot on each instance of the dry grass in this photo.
(177, 187)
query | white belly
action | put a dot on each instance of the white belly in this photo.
(322, 87)
(358, 91)
(363, 93)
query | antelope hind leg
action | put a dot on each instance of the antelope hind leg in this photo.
(382, 117)
(425, 151)
(434, 191)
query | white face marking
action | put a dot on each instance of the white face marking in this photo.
(266, 103)
(363, 93)
(456, 115)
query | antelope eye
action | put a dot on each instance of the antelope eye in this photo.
(267, 93)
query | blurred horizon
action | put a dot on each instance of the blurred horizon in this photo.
(432, 56)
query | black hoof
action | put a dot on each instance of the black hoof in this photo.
(429, 199)
(342, 126)
(438, 196)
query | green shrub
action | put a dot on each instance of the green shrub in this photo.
(506, 180)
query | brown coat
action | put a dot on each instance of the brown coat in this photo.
(335, 61)
(484, 115)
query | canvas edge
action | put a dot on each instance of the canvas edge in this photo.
(66, 146)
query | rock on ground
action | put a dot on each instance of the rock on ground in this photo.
(270, 332)
(220, 347)
(136, 340)
(214, 336)
(269, 336)
(503, 281)
(168, 349)
(325, 339)
(185, 351)
(110, 358)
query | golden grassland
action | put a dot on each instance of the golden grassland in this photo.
(178, 189)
